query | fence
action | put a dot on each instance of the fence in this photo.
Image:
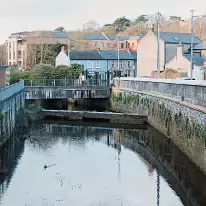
(66, 83)
(11, 90)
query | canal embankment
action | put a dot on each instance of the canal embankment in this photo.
(12, 99)
(176, 108)
(118, 118)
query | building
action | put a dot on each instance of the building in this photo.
(3, 76)
(62, 58)
(148, 50)
(104, 61)
(182, 63)
(19, 45)
(106, 42)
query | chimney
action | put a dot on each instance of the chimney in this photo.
(179, 50)
(98, 49)
(63, 49)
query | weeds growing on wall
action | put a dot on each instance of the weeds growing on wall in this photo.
(26, 116)
(158, 110)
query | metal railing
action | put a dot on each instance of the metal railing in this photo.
(68, 83)
(11, 90)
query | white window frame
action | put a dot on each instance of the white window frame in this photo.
(98, 64)
(89, 65)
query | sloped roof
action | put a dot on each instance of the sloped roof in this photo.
(197, 60)
(176, 38)
(3, 67)
(49, 34)
(113, 55)
(199, 47)
(85, 54)
(96, 37)
(102, 55)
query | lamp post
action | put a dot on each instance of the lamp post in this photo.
(158, 39)
(192, 42)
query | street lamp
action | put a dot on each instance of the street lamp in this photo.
(158, 37)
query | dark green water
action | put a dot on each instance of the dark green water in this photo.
(92, 166)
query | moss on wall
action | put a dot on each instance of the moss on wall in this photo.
(157, 110)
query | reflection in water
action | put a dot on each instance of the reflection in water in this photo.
(10, 153)
(99, 166)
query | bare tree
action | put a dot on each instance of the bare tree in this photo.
(91, 26)
(2, 54)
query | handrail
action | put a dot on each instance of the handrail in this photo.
(11, 90)
(74, 83)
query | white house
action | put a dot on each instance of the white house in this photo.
(63, 58)
(182, 63)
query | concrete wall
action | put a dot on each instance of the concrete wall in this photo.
(11, 100)
(147, 55)
(193, 92)
(183, 122)
(41, 93)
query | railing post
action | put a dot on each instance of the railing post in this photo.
(31, 83)
(54, 83)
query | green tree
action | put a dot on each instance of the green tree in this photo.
(121, 24)
(141, 19)
(75, 70)
(43, 71)
(15, 74)
(60, 29)
(61, 72)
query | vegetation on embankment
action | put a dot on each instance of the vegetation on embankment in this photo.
(184, 125)
(45, 71)
(26, 116)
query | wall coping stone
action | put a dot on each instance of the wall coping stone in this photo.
(169, 81)
(158, 95)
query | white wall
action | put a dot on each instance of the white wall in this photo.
(198, 73)
(62, 59)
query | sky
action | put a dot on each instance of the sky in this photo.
(30, 15)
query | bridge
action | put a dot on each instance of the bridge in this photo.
(66, 88)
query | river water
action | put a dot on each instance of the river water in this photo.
(93, 164)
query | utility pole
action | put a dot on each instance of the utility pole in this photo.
(192, 41)
(118, 56)
(158, 39)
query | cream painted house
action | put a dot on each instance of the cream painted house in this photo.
(182, 63)
(62, 59)
(148, 50)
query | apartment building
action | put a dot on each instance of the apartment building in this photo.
(19, 44)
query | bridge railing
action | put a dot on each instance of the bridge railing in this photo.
(68, 83)
(11, 90)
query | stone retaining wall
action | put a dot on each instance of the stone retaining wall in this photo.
(185, 125)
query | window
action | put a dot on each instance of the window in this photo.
(112, 63)
(88, 64)
(128, 45)
(122, 45)
(133, 45)
(121, 63)
(97, 64)
(128, 63)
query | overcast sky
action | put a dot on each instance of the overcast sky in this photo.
(20, 15)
